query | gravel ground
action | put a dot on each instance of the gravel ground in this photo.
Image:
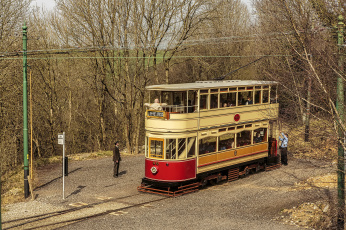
(253, 202)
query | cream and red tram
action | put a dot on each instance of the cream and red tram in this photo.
(208, 131)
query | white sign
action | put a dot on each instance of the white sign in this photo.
(61, 139)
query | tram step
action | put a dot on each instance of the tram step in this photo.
(182, 190)
(233, 174)
(272, 167)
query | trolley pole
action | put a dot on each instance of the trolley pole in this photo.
(25, 113)
(340, 109)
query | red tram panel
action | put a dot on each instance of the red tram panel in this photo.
(172, 171)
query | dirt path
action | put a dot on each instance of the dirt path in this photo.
(254, 202)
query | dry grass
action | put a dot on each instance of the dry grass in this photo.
(328, 181)
(309, 215)
(322, 143)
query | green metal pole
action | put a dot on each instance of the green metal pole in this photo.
(25, 114)
(0, 201)
(340, 109)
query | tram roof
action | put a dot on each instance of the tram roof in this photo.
(208, 85)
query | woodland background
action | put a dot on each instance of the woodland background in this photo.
(90, 61)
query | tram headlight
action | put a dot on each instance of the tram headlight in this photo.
(154, 170)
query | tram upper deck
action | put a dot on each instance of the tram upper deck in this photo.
(202, 105)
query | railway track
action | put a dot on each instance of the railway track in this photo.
(83, 211)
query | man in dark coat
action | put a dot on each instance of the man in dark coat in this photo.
(116, 159)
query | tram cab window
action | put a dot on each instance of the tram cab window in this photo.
(181, 148)
(207, 145)
(156, 148)
(203, 102)
(226, 141)
(171, 147)
(243, 138)
(214, 101)
(191, 146)
(260, 135)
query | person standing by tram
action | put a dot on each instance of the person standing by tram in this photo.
(283, 147)
(116, 159)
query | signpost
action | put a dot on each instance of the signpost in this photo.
(61, 141)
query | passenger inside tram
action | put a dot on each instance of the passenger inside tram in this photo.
(249, 101)
(258, 138)
(243, 138)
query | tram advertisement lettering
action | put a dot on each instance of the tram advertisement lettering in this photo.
(155, 114)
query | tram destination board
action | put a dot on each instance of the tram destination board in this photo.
(158, 114)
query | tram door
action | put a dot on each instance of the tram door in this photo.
(272, 140)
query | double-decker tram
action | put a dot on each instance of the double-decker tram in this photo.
(208, 131)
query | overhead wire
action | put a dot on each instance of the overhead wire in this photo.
(133, 57)
(58, 51)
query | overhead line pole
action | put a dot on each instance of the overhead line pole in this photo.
(25, 114)
(340, 110)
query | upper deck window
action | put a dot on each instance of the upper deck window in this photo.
(245, 98)
(214, 90)
(273, 94)
(204, 91)
(265, 96)
(232, 89)
(214, 98)
(258, 96)
(203, 102)
(228, 99)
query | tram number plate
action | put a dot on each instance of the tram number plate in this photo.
(155, 114)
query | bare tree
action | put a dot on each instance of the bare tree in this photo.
(11, 81)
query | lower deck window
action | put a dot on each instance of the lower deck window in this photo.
(207, 145)
(226, 141)
(260, 135)
(244, 138)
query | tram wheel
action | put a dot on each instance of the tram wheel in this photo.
(247, 171)
(213, 182)
(204, 182)
(258, 168)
